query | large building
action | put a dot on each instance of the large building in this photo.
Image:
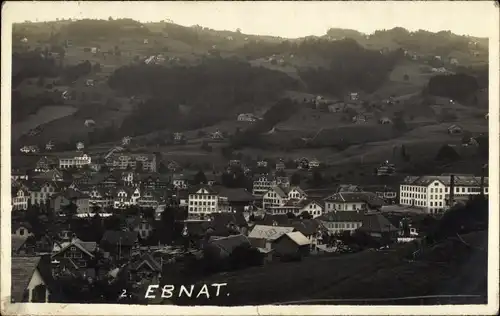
(74, 160)
(431, 193)
(132, 160)
(203, 200)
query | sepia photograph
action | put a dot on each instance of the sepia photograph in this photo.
(297, 155)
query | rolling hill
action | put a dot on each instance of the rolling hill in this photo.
(204, 78)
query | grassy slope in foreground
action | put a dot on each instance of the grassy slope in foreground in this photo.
(364, 275)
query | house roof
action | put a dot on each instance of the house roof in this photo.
(270, 219)
(236, 194)
(269, 232)
(17, 242)
(228, 244)
(460, 180)
(85, 246)
(22, 269)
(297, 237)
(377, 223)
(342, 216)
(223, 219)
(16, 225)
(146, 259)
(114, 237)
(350, 197)
(307, 227)
(348, 188)
(208, 188)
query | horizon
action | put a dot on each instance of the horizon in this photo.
(320, 16)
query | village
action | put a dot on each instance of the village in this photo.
(115, 219)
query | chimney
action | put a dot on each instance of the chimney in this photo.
(451, 198)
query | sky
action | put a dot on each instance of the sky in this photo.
(278, 18)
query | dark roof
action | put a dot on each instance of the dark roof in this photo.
(342, 216)
(307, 227)
(377, 223)
(17, 242)
(114, 237)
(235, 194)
(22, 269)
(460, 180)
(269, 219)
(228, 244)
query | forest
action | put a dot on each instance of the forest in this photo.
(214, 90)
(460, 87)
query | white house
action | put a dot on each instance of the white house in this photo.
(20, 197)
(126, 197)
(431, 193)
(80, 146)
(351, 201)
(262, 184)
(247, 117)
(314, 208)
(203, 200)
(314, 163)
(74, 161)
(276, 196)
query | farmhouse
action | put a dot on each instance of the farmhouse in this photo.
(262, 236)
(454, 129)
(291, 245)
(247, 117)
(28, 284)
(20, 197)
(125, 160)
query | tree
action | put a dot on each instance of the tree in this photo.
(406, 77)
(97, 67)
(305, 215)
(295, 179)
(317, 178)
(447, 154)
(200, 178)
(290, 215)
(71, 209)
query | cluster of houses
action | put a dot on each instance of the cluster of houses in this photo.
(278, 219)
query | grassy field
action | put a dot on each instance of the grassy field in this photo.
(365, 275)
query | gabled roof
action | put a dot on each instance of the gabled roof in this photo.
(208, 188)
(296, 237)
(269, 232)
(148, 260)
(228, 244)
(281, 191)
(22, 270)
(377, 223)
(17, 242)
(86, 247)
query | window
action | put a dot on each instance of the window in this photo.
(21, 231)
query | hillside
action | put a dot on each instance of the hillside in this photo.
(201, 79)
(357, 278)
